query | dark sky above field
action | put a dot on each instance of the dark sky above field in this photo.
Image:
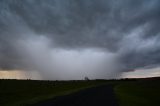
(70, 39)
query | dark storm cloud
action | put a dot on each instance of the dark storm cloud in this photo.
(129, 29)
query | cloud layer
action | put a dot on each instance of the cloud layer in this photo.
(72, 39)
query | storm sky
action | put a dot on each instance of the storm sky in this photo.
(71, 39)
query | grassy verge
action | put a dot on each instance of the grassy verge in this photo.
(18, 92)
(128, 92)
(138, 93)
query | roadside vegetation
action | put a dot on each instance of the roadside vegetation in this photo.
(138, 93)
(129, 92)
(23, 92)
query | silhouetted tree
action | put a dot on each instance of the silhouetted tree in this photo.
(86, 78)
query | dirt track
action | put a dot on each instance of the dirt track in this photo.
(97, 96)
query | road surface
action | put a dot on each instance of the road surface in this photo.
(96, 96)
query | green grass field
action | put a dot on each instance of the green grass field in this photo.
(138, 93)
(17, 92)
(128, 92)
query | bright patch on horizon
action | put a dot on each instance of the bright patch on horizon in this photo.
(19, 74)
(142, 73)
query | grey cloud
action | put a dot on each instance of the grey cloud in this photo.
(110, 25)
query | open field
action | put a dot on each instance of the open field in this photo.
(139, 92)
(17, 92)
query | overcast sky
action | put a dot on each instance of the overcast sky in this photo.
(70, 39)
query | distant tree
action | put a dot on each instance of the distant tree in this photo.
(86, 78)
